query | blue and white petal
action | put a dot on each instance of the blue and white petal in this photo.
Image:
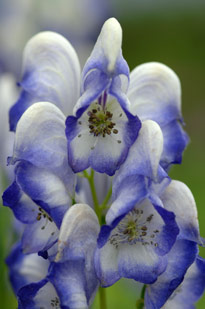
(179, 258)
(40, 235)
(130, 191)
(70, 283)
(175, 141)
(191, 289)
(24, 269)
(178, 198)
(41, 294)
(45, 188)
(25, 210)
(73, 273)
(51, 72)
(40, 139)
(155, 93)
(104, 64)
(144, 155)
(78, 234)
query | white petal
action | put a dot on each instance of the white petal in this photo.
(78, 231)
(111, 41)
(144, 155)
(155, 93)
(179, 199)
(54, 70)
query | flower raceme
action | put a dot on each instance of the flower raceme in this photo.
(89, 228)
(107, 104)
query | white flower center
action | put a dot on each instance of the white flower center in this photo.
(135, 227)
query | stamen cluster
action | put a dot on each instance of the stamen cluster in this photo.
(133, 228)
(100, 122)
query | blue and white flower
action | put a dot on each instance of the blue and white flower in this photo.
(191, 288)
(155, 93)
(106, 110)
(103, 128)
(71, 281)
(139, 232)
(44, 183)
(178, 198)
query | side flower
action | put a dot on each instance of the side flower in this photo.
(44, 183)
(70, 280)
(139, 232)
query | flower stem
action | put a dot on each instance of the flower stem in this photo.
(140, 302)
(102, 294)
(107, 198)
(90, 178)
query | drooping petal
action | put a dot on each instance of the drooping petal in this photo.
(24, 269)
(106, 265)
(39, 236)
(140, 263)
(191, 289)
(51, 72)
(45, 188)
(180, 258)
(40, 294)
(70, 283)
(178, 198)
(155, 93)
(40, 140)
(23, 207)
(144, 155)
(136, 262)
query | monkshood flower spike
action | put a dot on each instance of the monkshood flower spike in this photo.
(107, 109)
(85, 229)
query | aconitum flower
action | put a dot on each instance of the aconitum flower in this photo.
(68, 278)
(191, 288)
(125, 126)
(106, 104)
(44, 184)
(145, 218)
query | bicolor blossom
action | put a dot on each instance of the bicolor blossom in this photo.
(108, 103)
(128, 126)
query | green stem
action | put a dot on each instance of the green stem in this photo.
(102, 294)
(143, 291)
(140, 302)
(98, 209)
(107, 198)
(93, 192)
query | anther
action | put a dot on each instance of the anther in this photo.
(143, 234)
(115, 131)
(39, 216)
(149, 218)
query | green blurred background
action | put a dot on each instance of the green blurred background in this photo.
(174, 35)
